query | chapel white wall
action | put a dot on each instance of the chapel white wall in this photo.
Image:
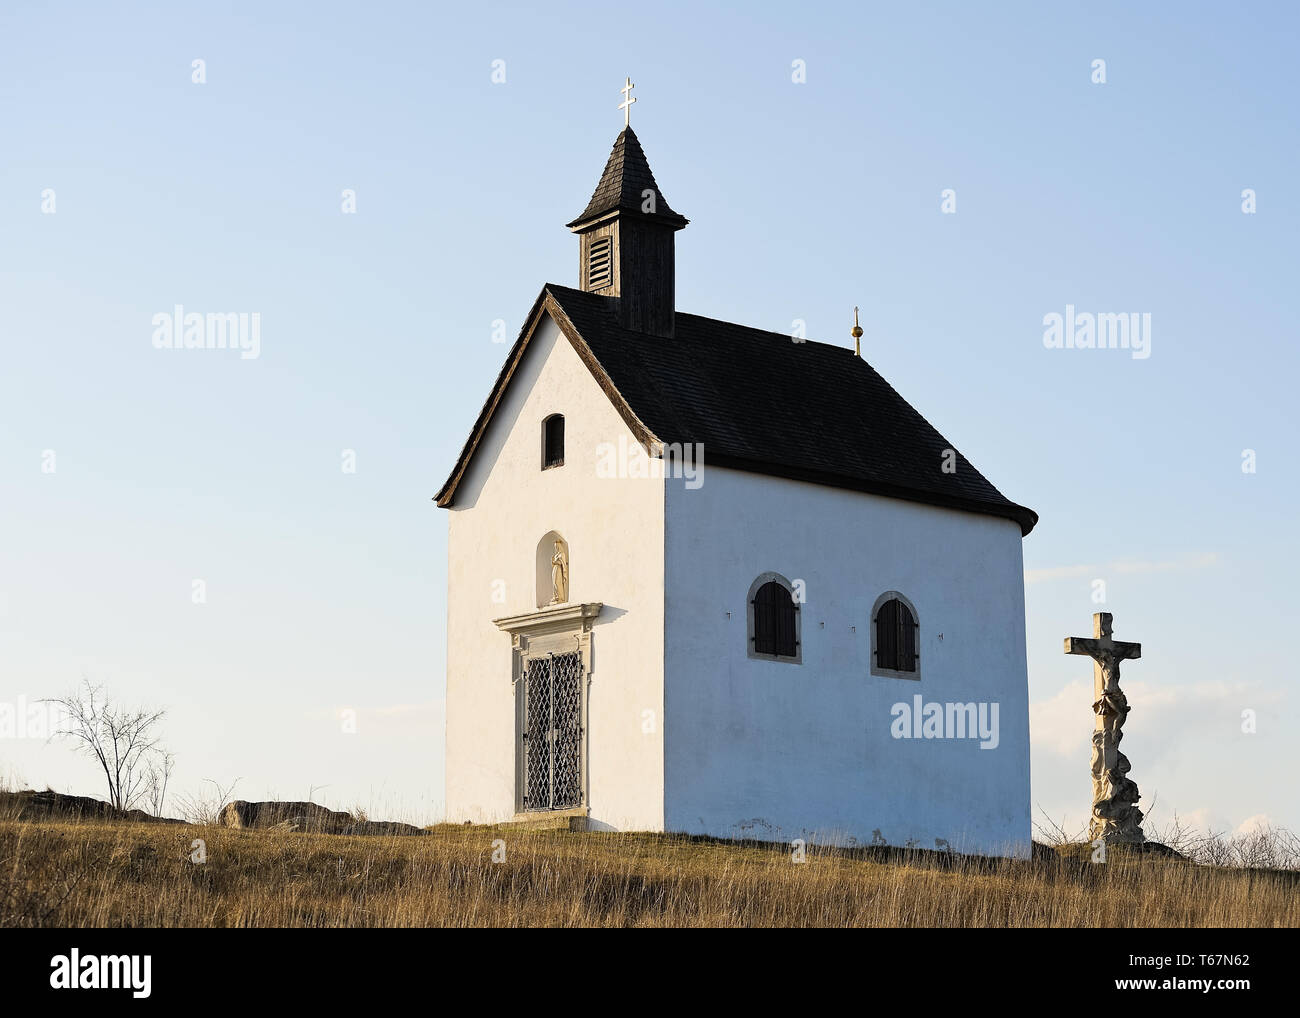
(781, 751)
(614, 530)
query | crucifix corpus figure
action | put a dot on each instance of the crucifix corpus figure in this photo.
(1115, 816)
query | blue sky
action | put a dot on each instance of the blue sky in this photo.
(325, 589)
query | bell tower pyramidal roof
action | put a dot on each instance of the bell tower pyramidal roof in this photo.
(623, 185)
(626, 245)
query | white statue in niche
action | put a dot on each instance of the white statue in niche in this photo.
(560, 573)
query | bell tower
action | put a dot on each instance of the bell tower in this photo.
(626, 237)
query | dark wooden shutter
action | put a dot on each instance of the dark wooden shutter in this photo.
(765, 619)
(784, 621)
(774, 629)
(895, 637)
(887, 635)
(554, 440)
(906, 639)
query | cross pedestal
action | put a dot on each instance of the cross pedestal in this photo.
(1115, 816)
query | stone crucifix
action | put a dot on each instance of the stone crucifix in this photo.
(1115, 816)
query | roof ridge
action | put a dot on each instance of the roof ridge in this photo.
(770, 332)
(720, 321)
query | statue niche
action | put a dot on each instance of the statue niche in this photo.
(553, 578)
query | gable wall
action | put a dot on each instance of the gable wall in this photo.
(614, 529)
(784, 751)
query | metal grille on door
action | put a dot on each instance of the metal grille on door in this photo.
(552, 738)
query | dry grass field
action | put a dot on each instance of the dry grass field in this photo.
(119, 874)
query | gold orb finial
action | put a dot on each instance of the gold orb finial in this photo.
(857, 334)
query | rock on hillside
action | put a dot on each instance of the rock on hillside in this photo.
(48, 805)
(304, 816)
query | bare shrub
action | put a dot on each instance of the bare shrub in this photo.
(124, 742)
(159, 775)
(1267, 847)
(1053, 833)
(204, 807)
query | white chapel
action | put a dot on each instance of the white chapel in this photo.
(709, 579)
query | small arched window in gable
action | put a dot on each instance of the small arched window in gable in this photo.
(553, 441)
(894, 637)
(773, 619)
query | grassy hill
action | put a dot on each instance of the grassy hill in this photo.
(96, 872)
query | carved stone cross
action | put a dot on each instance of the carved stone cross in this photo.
(1115, 816)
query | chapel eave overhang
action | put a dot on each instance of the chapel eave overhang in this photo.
(1025, 517)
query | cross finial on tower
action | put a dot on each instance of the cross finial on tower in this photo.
(626, 104)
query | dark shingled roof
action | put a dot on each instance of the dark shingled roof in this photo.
(759, 401)
(627, 174)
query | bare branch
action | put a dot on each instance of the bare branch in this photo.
(122, 742)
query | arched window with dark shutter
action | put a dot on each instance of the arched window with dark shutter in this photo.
(895, 647)
(774, 629)
(553, 441)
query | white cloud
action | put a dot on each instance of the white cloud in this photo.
(1252, 825)
(1198, 819)
(1123, 566)
(1063, 723)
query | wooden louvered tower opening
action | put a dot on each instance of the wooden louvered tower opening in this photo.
(600, 264)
